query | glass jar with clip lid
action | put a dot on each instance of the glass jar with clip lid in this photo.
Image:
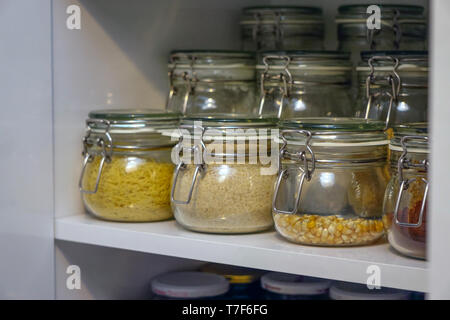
(393, 86)
(295, 84)
(282, 28)
(212, 82)
(224, 178)
(331, 181)
(127, 168)
(405, 203)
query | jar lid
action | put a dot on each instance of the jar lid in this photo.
(386, 9)
(304, 60)
(289, 284)
(416, 140)
(355, 291)
(281, 14)
(123, 118)
(414, 61)
(189, 285)
(234, 274)
(335, 132)
(211, 58)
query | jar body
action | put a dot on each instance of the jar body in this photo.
(309, 101)
(133, 186)
(339, 206)
(408, 240)
(290, 37)
(278, 296)
(226, 198)
(221, 97)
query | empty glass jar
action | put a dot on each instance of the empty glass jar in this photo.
(212, 82)
(282, 28)
(393, 86)
(402, 27)
(405, 204)
(223, 182)
(331, 181)
(127, 168)
(296, 84)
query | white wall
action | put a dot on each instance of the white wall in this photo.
(26, 163)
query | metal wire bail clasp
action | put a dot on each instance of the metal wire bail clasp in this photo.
(393, 80)
(300, 157)
(284, 77)
(405, 163)
(106, 152)
(197, 149)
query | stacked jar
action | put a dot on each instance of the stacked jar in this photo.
(282, 28)
(393, 86)
(292, 84)
(331, 181)
(127, 168)
(212, 82)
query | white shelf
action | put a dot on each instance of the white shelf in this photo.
(264, 251)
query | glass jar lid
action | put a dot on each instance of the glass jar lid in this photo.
(281, 15)
(412, 137)
(290, 284)
(345, 132)
(211, 58)
(387, 12)
(189, 285)
(300, 67)
(131, 128)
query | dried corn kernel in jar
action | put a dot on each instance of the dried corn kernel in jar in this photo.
(229, 190)
(335, 197)
(127, 170)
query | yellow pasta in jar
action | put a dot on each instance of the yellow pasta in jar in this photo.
(131, 189)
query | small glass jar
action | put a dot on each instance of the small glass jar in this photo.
(401, 28)
(283, 286)
(393, 86)
(244, 282)
(356, 291)
(282, 28)
(331, 181)
(127, 168)
(405, 204)
(304, 84)
(224, 181)
(212, 82)
(189, 285)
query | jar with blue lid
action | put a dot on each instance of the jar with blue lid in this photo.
(283, 286)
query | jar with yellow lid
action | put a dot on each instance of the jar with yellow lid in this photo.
(331, 181)
(127, 168)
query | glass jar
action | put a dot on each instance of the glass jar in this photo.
(282, 28)
(283, 286)
(405, 204)
(189, 285)
(393, 86)
(127, 168)
(356, 291)
(212, 82)
(224, 181)
(244, 282)
(401, 28)
(331, 181)
(304, 84)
